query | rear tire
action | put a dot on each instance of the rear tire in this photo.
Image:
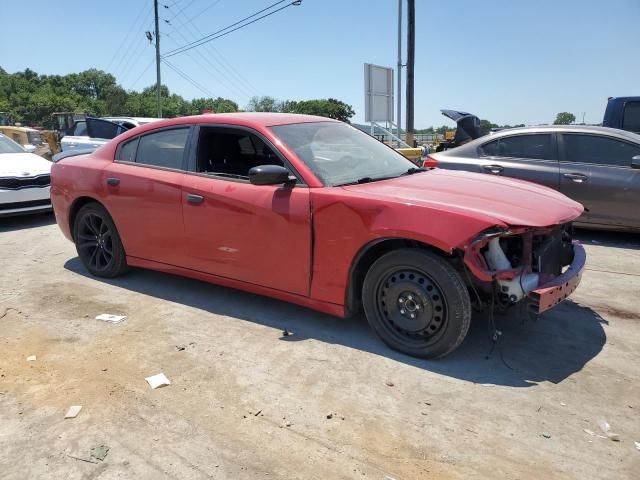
(417, 303)
(98, 242)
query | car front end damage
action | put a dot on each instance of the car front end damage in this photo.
(538, 266)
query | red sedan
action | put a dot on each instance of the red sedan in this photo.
(313, 211)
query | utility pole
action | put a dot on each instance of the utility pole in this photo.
(158, 82)
(399, 99)
(411, 59)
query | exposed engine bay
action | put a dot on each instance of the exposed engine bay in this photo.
(508, 265)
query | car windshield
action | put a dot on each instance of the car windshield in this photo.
(339, 154)
(9, 146)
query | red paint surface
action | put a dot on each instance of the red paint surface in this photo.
(296, 244)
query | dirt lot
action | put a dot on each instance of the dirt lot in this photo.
(247, 402)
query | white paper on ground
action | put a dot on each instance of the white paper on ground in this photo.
(107, 317)
(159, 380)
(31, 358)
(73, 411)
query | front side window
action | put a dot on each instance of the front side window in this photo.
(339, 154)
(232, 153)
(161, 149)
(631, 118)
(599, 150)
(536, 146)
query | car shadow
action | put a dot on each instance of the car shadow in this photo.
(612, 239)
(21, 222)
(551, 348)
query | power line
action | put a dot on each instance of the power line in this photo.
(218, 34)
(240, 83)
(124, 41)
(225, 64)
(125, 60)
(143, 72)
(188, 78)
(208, 7)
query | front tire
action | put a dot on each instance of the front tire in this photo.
(98, 242)
(417, 303)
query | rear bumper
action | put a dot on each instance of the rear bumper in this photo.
(551, 293)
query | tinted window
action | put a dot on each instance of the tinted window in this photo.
(127, 152)
(602, 150)
(103, 129)
(80, 129)
(232, 153)
(519, 146)
(631, 119)
(163, 149)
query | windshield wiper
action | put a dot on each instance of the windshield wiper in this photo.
(362, 180)
(413, 170)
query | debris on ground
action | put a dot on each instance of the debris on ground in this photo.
(73, 411)
(107, 317)
(389, 383)
(159, 380)
(31, 358)
(330, 415)
(637, 445)
(257, 413)
(181, 347)
(88, 460)
(606, 429)
(100, 452)
(593, 434)
(546, 434)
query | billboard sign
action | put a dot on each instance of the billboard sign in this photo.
(378, 93)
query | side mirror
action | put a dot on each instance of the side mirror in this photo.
(29, 148)
(635, 162)
(269, 175)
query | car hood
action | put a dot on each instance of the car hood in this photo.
(494, 199)
(23, 165)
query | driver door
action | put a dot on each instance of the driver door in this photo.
(258, 234)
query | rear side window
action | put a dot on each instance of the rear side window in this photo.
(162, 149)
(519, 146)
(127, 152)
(599, 150)
(631, 117)
(80, 129)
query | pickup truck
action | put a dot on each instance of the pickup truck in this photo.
(623, 113)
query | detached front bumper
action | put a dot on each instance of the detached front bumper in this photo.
(555, 291)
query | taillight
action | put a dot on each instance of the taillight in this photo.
(429, 162)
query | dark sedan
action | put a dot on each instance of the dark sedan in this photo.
(596, 166)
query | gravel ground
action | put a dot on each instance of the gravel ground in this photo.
(246, 401)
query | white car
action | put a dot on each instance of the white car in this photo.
(24, 180)
(91, 133)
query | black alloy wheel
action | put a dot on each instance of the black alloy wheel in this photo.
(98, 243)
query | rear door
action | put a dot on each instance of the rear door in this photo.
(91, 133)
(144, 194)
(529, 157)
(596, 171)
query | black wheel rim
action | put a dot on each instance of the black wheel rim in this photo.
(95, 242)
(411, 306)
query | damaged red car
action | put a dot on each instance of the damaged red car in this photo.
(314, 212)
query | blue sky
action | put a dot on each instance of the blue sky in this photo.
(507, 61)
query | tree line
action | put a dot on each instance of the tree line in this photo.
(30, 98)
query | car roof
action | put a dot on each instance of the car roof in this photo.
(262, 119)
(135, 119)
(593, 129)
(18, 129)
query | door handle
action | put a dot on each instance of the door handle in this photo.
(112, 181)
(194, 199)
(495, 169)
(576, 177)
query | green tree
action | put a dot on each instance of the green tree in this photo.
(564, 118)
(486, 126)
(264, 104)
(217, 105)
(329, 107)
